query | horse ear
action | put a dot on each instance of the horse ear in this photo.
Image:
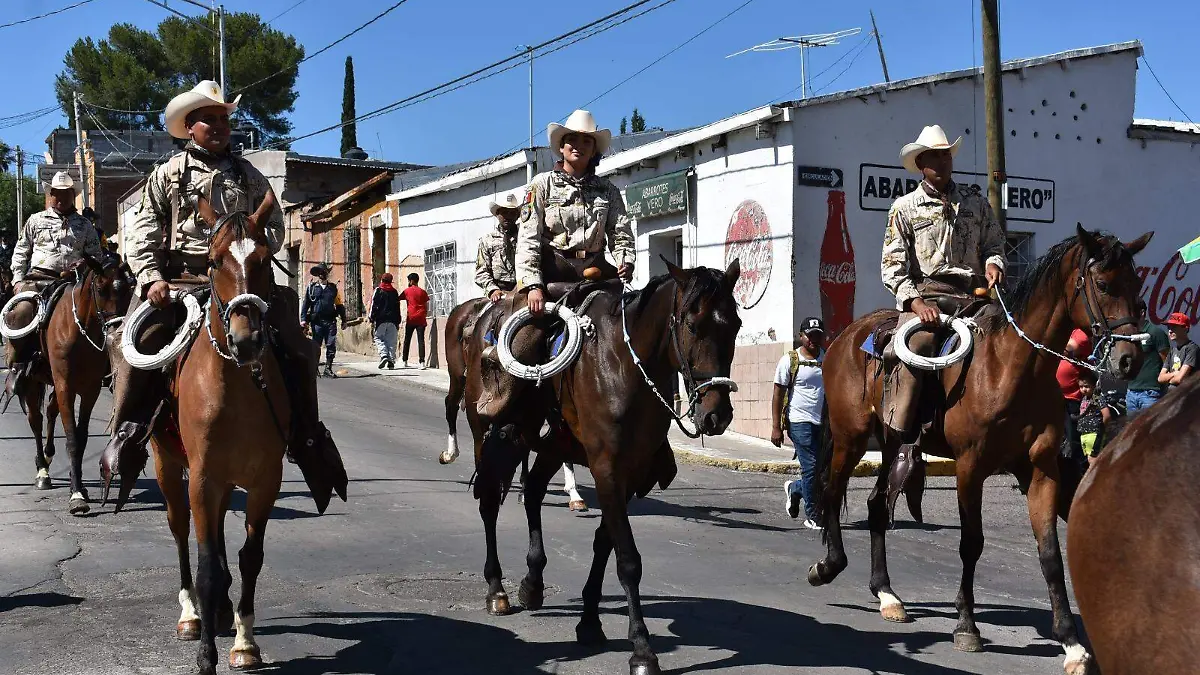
(733, 272)
(1135, 247)
(679, 274)
(1091, 245)
(93, 264)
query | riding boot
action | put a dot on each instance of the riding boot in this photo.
(907, 475)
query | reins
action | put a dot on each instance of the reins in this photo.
(107, 319)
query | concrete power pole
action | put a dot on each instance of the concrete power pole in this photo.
(879, 44)
(221, 30)
(993, 93)
(20, 188)
(533, 156)
(83, 176)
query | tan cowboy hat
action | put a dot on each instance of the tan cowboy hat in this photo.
(61, 181)
(580, 122)
(510, 202)
(203, 95)
(931, 138)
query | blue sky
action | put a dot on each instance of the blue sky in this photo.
(426, 42)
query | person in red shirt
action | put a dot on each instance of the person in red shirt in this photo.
(1079, 347)
(416, 302)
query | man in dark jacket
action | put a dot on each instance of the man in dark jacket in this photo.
(320, 311)
(385, 320)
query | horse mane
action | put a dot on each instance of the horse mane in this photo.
(702, 282)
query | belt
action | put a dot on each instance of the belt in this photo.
(580, 255)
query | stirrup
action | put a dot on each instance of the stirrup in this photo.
(907, 475)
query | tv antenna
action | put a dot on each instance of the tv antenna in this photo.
(803, 43)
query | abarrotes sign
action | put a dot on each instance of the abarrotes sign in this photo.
(1027, 199)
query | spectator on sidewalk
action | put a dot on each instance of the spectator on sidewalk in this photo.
(385, 320)
(1182, 362)
(1097, 412)
(797, 400)
(416, 302)
(1079, 347)
(1145, 389)
(320, 311)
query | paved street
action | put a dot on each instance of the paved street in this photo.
(391, 582)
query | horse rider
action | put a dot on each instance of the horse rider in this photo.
(942, 242)
(494, 265)
(51, 242)
(168, 240)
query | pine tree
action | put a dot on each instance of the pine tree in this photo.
(624, 126)
(637, 123)
(350, 131)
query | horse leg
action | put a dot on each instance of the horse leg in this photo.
(206, 499)
(589, 631)
(458, 385)
(970, 547)
(879, 519)
(65, 396)
(52, 411)
(495, 471)
(174, 489)
(1043, 515)
(845, 456)
(225, 614)
(532, 590)
(87, 402)
(32, 397)
(245, 652)
(575, 502)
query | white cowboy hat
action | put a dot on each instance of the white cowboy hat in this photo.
(931, 138)
(510, 202)
(580, 122)
(206, 93)
(61, 181)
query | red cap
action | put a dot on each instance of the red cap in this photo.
(1178, 319)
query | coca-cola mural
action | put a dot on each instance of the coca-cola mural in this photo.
(1166, 289)
(836, 277)
(748, 239)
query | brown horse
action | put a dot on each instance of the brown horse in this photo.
(604, 414)
(226, 426)
(1134, 543)
(456, 367)
(1002, 408)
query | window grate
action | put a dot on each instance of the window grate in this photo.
(1019, 255)
(352, 293)
(441, 278)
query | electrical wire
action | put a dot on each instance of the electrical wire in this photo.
(118, 110)
(42, 16)
(321, 50)
(837, 77)
(859, 47)
(1164, 90)
(39, 111)
(18, 121)
(277, 16)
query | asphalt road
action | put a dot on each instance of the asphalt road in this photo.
(391, 582)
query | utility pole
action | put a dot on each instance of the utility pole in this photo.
(20, 188)
(879, 44)
(993, 94)
(83, 176)
(221, 38)
(529, 164)
(219, 33)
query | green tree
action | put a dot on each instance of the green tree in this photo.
(133, 69)
(624, 126)
(637, 123)
(350, 131)
(8, 157)
(34, 202)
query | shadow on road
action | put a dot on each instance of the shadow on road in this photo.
(44, 600)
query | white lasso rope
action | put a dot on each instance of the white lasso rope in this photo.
(172, 351)
(16, 333)
(962, 328)
(577, 326)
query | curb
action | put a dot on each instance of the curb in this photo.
(865, 468)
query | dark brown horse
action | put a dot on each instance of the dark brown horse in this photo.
(1134, 542)
(1002, 408)
(456, 367)
(605, 415)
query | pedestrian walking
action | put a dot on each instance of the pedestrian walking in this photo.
(1098, 410)
(1079, 347)
(321, 309)
(1184, 353)
(1145, 389)
(416, 302)
(797, 400)
(385, 320)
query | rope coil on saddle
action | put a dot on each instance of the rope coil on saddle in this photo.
(577, 325)
(167, 354)
(17, 333)
(962, 328)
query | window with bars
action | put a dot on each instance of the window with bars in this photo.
(352, 293)
(1019, 255)
(441, 278)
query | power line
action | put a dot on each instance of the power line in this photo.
(126, 112)
(42, 16)
(1164, 90)
(272, 19)
(16, 122)
(843, 71)
(323, 49)
(27, 114)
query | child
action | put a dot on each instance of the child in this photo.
(1097, 411)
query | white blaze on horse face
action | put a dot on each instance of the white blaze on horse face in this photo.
(245, 632)
(240, 250)
(188, 602)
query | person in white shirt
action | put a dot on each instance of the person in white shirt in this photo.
(797, 401)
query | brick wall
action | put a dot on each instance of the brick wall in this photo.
(754, 371)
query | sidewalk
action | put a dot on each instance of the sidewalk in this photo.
(730, 450)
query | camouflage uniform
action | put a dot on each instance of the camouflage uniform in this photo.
(575, 217)
(494, 265)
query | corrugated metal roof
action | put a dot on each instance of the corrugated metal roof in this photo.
(1167, 125)
(358, 163)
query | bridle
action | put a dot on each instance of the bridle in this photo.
(226, 309)
(107, 319)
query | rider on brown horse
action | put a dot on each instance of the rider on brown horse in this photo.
(51, 242)
(942, 242)
(170, 241)
(495, 269)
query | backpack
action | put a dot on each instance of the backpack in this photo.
(793, 370)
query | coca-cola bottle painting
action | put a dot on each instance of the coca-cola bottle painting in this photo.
(836, 276)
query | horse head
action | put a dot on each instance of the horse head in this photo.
(704, 328)
(1104, 290)
(240, 278)
(111, 283)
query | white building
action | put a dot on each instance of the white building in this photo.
(799, 193)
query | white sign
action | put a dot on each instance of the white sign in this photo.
(1027, 199)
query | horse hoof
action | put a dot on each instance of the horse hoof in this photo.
(78, 504)
(188, 631)
(578, 506)
(814, 575)
(968, 642)
(43, 483)
(497, 605)
(531, 596)
(896, 614)
(648, 668)
(447, 458)
(590, 633)
(241, 659)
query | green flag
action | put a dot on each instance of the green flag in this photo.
(1191, 252)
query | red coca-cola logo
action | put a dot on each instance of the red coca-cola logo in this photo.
(838, 273)
(1166, 290)
(748, 240)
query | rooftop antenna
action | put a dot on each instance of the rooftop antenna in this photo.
(803, 43)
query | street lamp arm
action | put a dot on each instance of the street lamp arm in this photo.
(176, 12)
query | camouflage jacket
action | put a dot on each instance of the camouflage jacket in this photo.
(923, 240)
(495, 264)
(571, 214)
(53, 242)
(190, 173)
